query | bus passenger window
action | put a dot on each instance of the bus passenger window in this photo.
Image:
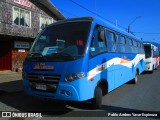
(130, 46)
(98, 44)
(121, 43)
(111, 42)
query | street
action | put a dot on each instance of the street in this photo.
(144, 96)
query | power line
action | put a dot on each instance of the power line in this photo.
(96, 13)
(146, 33)
(107, 19)
(82, 7)
(89, 10)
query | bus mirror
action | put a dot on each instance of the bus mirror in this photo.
(101, 36)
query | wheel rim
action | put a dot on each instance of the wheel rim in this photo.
(136, 78)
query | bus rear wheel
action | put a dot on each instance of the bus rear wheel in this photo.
(97, 100)
(135, 79)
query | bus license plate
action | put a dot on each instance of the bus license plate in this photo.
(41, 87)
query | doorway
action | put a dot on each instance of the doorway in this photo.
(5, 55)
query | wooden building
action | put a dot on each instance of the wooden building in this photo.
(20, 22)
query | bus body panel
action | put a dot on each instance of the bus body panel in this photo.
(78, 88)
(150, 64)
(115, 69)
(78, 91)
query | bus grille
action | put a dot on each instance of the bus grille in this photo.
(43, 82)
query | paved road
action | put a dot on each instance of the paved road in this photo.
(144, 96)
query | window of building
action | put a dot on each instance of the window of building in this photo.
(21, 17)
(44, 21)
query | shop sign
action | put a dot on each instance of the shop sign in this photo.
(23, 2)
(21, 50)
(19, 44)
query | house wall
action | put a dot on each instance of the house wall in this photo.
(13, 35)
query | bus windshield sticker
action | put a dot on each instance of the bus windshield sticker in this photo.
(49, 50)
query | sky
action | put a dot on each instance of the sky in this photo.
(143, 16)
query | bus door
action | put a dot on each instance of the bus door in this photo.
(98, 58)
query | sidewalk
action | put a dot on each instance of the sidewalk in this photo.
(10, 82)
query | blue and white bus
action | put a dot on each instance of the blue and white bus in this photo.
(82, 59)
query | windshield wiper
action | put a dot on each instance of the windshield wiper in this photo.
(35, 55)
(61, 54)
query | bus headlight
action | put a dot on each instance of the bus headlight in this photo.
(72, 77)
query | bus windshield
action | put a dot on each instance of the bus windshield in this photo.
(63, 41)
(147, 49)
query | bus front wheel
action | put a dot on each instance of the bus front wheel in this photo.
(97, 100)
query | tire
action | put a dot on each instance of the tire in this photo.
(97, 100)
(135, 80)
(152, 70)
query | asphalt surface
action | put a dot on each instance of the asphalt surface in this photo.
(129, 98)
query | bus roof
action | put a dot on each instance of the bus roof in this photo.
(148, 43)
(116, 28)
(101, 22)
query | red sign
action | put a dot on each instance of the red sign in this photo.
(23, 2)
(79, 42)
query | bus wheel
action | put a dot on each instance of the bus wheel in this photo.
(152, 69)
(135, 80)
(97, 100)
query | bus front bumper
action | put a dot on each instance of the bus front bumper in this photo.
(148, 67)
(63, 92)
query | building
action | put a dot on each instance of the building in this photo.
(20, 22)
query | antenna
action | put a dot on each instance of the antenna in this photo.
(116, 23)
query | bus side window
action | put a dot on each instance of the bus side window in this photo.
(111, 42)
(131, 46)
(98, 44)
(139, 50)
(142, 48)
(121, 43)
